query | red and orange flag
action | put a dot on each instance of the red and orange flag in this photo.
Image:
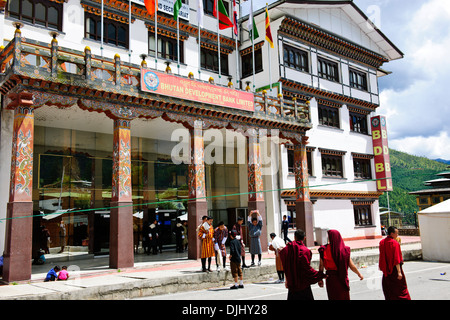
(268, 32)
(151, 6)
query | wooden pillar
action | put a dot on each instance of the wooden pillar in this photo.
(303, 206)
(197, 204)
(121, 253)
(19, 223)
(255, 182)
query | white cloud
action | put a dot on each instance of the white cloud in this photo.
(418, 111)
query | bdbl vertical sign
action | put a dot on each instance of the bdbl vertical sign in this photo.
(381, 153)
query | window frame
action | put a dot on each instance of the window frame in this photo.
(329, 66)
(208, 53)
(327, 159)
(360, 125)
(362, 168)
(96, 36)
(290, 161)
(33, 19)
(331, 112)
(358, 211)
(162, 53)
(288, 50)
(247, 63)
(358, 80)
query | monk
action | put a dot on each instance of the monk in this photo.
(390, 263)
(299, 275)
(335, 258)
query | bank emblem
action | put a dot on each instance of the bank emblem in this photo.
(151, 81)
(375, 122)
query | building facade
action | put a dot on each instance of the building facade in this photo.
(98, 133)
(438, 191)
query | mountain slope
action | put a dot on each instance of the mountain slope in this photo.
(408, 174)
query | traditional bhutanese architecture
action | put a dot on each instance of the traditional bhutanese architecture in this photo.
(329, 54)
(105, 136)
(438, 191)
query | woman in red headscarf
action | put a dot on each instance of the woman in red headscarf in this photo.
(335, 258)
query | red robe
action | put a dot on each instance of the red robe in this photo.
(390, 256)
(296, 260)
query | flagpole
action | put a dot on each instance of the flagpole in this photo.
(156, 36)
(199, 53)
(178, 43)
(129, 31)
(253, 44)
(101, 30)
(218, 40)
(268, 55)
(235, 42)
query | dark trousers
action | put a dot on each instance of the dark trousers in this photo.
(305, 294)
(204, 263)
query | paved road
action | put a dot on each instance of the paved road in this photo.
(426, 281)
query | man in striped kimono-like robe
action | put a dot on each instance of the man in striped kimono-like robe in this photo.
(206, 235)
(220, 237)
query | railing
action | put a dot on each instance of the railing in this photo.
(50, 62)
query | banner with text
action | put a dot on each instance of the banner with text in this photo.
(189, 89)
(381, 154)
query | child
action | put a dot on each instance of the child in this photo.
(63, 274)
(52, 274)
(235, 260)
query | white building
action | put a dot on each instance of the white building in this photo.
(326, 52)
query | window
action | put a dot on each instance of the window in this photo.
(295, 58)
(290, 156)
(362, 168)
(358, 123)
(329, 116)
(208, 7)
(358, 80)
(210, 61)
(328, 70)
(332, 166)
(247, 63)
(167, 48)
(363, 215)
(39, 12)
(114, 32)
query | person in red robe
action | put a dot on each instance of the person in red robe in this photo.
(299, 275)
(335, 258)
(390, 263)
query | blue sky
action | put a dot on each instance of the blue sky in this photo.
(415, 97)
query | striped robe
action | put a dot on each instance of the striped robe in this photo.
(219, 235)
(207, 242)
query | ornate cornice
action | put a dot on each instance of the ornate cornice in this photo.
(335, 194)
(300, 30)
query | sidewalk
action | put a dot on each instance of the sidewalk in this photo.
(169, 272)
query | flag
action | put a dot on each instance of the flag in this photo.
(235, 19)
(268, 32)
(252, 26)
(151, 6)
(200, 13)
(176, 8)
(221, 14)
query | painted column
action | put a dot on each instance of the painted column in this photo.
(303, 206)
(121, 222)
(19, 221)
(197, 205)
(255, 182)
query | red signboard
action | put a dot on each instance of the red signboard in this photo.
(381, 154)
(190, 89)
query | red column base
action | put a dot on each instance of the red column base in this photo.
(121, 251)
(196, 210)
(18, 242)
(304, 211)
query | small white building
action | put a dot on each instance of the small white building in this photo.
(434, 224)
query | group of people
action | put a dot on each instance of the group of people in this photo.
(57, 273)
(335, 259)
(213, 245)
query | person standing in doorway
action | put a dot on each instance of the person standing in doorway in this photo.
(390, 263)
(254, 230)
(285, 229)
(240, 237)
(299, 275)
(335, 258)
(62, 236)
